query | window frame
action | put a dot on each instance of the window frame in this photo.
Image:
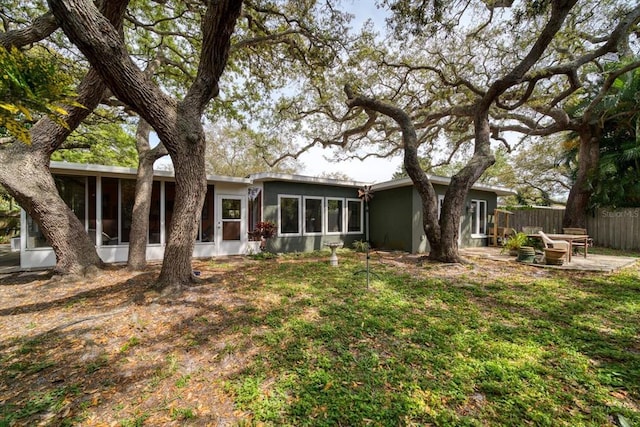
(475, 213)
(304, 216)
(347, 211)
(341, 215)
(440, 203)
(299, 199)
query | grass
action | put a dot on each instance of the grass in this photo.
(292, 341)
(556, 351)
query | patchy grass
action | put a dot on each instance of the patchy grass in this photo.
(294, 341)
(599, 250)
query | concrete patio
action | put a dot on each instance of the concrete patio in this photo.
(592, 262)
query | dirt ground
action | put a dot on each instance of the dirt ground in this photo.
(108, 351)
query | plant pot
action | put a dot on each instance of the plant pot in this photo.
(554, 256)
(526, 254)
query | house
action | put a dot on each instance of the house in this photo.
(396, 214)
(308, 211)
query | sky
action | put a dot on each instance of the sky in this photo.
(370, 170)
(314, 162)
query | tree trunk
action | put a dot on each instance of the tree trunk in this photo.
(25, 169)
(137, 258)
(191, 185)
(575, 214)
(27, 178)
(178, 124)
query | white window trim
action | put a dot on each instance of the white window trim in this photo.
(289, 196)
(304, 216)
(476, 212)
(440, 203)
(326, 217)
(346, 216)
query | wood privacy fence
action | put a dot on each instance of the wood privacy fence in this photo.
(612, 228)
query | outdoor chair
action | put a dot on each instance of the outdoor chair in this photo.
(578, 245)
(556, 244)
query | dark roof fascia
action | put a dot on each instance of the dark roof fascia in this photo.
(406, 182)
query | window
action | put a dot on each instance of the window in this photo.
(289, 215)
(154, 214)
(334, 216)
(127, 197)
(109, 211)
(354, 216)
(205, 234)
(440, 203)
(478, 213)
(72, 190)
(312, 215)
(255, 208)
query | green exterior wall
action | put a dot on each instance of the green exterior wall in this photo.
(396, 219)
(391, 216)
(272, 189)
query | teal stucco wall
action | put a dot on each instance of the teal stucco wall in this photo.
(392, 214)
(304, 243)
(396, 219)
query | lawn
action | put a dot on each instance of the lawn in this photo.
(294, 341)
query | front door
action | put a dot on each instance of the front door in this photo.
(231, 226)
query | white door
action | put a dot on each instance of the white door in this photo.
(231, 228)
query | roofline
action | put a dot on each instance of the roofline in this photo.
(405, 182)
(277, 176)
(56, 166)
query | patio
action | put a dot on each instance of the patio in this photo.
(592, 262)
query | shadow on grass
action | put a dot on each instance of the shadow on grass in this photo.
(302, 343)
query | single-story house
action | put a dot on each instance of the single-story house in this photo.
(308, 212)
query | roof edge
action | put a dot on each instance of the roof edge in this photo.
(435, 179)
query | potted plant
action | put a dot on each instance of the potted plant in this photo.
(515, 242)
(263, 231)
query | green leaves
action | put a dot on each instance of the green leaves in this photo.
(32, 84)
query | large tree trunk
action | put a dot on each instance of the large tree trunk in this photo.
(575, 214)
(137, 258)
(177, 124)
(191, 185)
(26, 177)
(25, 169)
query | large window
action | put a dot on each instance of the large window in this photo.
(110, 211)
(313, 215)
(335, 216)
(478, 213)
(289, 215)
(255, 208)
(440, 203)
(206, 232)
(354, 216)
(127, 198)
(154, 214)
(72, 190)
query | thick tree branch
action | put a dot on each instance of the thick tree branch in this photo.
(217, 27)
(41, 28)
(102, 45)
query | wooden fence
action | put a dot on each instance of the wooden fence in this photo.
(613, 228)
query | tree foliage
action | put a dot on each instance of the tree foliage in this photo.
(235, 151)
(616, 180)
(109, 143)
(32, 84)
